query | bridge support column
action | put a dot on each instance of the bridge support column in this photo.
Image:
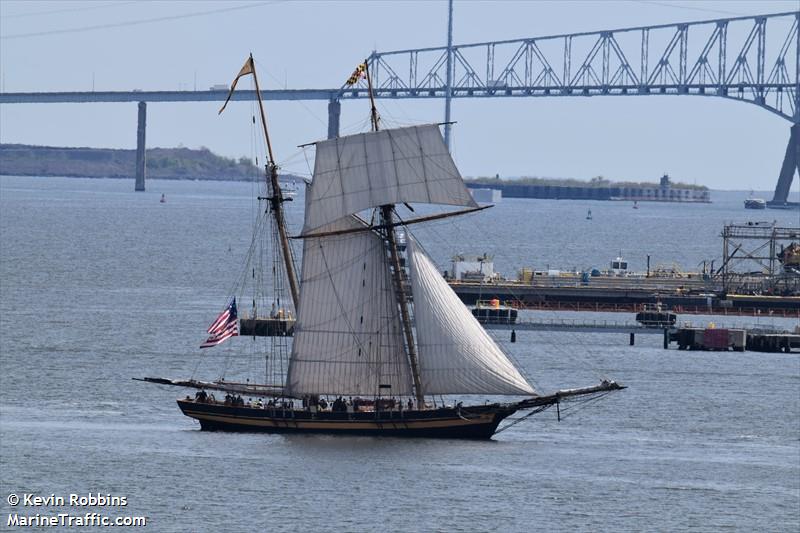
(791, 162)
(334, 112)
(141, 160)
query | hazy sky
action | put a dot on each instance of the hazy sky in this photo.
(711, 141)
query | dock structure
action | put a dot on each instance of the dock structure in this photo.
(736, 339)
(625, 295)
(687, 337)
(574, 326)
(772, 342)
(692, 338)
(754, 247)
(577, 326)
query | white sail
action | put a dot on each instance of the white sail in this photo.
(348, 336)
(456, 355)
(357, 172)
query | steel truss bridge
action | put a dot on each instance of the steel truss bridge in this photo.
(630, 61)
(753, 59)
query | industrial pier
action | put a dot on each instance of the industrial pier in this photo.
(736, 339)
(686, 336)
(759, 275)
(624, 299)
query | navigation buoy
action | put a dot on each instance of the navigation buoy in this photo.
(163, 198)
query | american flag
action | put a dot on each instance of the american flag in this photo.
(224, 327)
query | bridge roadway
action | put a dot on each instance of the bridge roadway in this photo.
(753, 59)
(81, 97)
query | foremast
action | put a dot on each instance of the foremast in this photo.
(276, 198)
(390, 237)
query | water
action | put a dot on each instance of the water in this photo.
(99, 285)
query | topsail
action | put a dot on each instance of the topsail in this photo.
(403, 165)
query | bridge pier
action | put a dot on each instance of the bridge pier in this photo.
(791, 162)
(141, 160)
(334, 113)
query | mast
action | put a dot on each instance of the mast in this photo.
(386, 216)
(373, 109)
(277, 199)
(391, 240)
(448, 94)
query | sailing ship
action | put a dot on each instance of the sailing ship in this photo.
(381, 345)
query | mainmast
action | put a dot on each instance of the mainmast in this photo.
(277, 199)
(397, 272)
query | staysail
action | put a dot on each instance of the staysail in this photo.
(456, 355)
(348, 337)
(366, 170)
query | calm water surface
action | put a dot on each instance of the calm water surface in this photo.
(99, 285)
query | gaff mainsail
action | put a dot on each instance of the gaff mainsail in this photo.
(348, 338)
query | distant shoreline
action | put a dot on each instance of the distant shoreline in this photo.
(162, 163)
(186, 164)
(289, 176)
(281, 177)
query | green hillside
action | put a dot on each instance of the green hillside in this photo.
(162, 163)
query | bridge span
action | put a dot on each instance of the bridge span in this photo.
(752, 59)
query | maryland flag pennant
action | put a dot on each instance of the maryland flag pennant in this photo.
(357, 74)
(248, 68)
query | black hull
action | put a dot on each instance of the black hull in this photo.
(477, 422)
(488, 315)
(656, 319)
(474, 432)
